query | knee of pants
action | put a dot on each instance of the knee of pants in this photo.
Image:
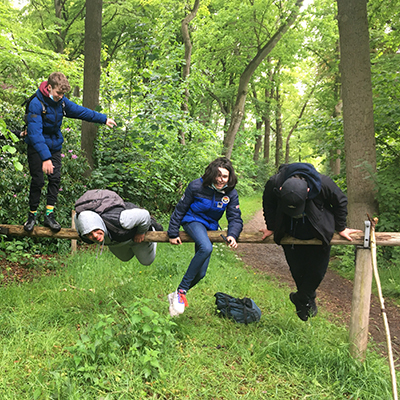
(206, 248)
(37, 182)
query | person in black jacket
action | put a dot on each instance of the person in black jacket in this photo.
(201, 207)
(305, 204)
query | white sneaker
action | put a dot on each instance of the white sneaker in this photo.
(177, 303)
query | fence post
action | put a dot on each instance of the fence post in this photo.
(73, 241)
(360, 306)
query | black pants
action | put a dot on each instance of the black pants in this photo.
(308, 265)
(37, 182)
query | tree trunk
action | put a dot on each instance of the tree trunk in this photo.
(91, 76)
(267, 133)
(257, 147)
(238, 110)
(358, 123)
(186, 66)
(59, 39)
(278, 132)
(287, 152)
(269, 93)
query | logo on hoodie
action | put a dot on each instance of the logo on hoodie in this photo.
(225, 200)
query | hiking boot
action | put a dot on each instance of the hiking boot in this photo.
(30, 223)
(302, 310)
(155, 226)
(177, 302)
(312, 308)
(51, 223)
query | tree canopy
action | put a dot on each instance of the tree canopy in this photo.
(264, 87)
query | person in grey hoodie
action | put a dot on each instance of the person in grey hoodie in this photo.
(126, 240)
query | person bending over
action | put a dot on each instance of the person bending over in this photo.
(122, 230)
(305, 204)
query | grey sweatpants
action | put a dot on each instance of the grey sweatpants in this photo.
(145, 252)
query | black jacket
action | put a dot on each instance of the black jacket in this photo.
(326, 210)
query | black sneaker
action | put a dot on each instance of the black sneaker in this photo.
(30, 223)
(154, 224)
(51, 223)
(312, 308)
(302, 310)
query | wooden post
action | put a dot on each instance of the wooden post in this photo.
(73, 241)
(360, 305)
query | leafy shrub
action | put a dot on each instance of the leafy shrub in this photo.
(138, 337)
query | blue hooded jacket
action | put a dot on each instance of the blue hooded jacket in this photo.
(206, 205)
(44, 132)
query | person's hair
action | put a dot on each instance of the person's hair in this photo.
(212, 171)
(58, 79)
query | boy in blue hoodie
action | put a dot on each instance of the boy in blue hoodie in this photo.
(44, 140)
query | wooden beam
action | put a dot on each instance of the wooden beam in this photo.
(382, 238)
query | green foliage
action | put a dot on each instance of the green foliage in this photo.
(79, 309)
(140, 335)
(14, 184)
(147, 337)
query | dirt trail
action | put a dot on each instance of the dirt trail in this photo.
(334, 293)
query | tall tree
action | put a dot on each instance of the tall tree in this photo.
(92, 72)
(188, 56)
(358, 122)
(238, 110)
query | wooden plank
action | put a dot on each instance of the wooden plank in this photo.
(382, 238)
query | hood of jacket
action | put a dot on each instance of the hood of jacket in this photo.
(309, 172)
(43, 89)
(88, 221)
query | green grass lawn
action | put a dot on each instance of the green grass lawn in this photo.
(100, 329)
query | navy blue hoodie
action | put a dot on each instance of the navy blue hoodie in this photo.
(44, 133)
(207, 205)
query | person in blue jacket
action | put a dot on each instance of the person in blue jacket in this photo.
(201, 207)
(44, 140)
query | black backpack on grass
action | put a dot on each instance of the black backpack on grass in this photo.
(243, 310)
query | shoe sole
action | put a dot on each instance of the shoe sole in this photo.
(27, 230)
(53, 230)
(172, 311)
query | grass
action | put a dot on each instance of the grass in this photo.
(100, 329)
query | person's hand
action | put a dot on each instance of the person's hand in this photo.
(138, 238)
(266, 232)
(232, 242)
(176, 240)
(347, 232)
(23, 133)
(47, 167)
(110, 122)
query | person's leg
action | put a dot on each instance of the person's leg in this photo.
(52, 193)
(203, 248)
(145, 252)
(54, 179)
(197, 268)
(308, 265)
(123, 251)
(36, 185)
(37, 178)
